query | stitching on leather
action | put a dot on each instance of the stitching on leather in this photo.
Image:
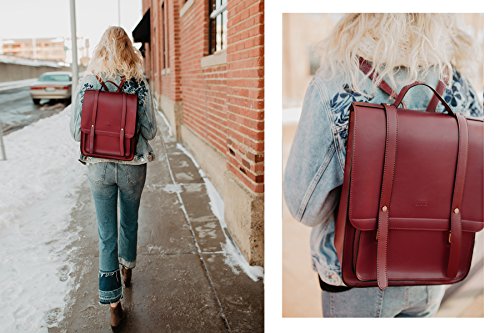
(353, 159)
(390, 197)
(383, 175)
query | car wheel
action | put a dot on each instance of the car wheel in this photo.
(36, 101)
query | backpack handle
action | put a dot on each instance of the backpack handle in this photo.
(103, 83)
(367, 69)
(405, 89)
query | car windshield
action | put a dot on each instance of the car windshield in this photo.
(55, 78)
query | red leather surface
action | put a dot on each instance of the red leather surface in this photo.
(418, 248)
(108, 125)
(424, 172)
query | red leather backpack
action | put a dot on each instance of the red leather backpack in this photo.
(412, 198)
(108, 123)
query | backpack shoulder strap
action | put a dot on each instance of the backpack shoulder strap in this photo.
(367, 68)
(440, 88)
(122, 82)
(102, 83)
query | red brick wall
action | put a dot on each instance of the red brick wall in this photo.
(245, 95)
(203, 90)
(222, 104)
(170, 81)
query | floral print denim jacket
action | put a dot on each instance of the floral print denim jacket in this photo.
(146, 121)
(314, 172)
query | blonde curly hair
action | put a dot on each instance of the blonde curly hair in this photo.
(116, 56)
(417, 42)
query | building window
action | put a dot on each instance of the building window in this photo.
(217, 26)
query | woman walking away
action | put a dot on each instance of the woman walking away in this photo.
(401, 49)
(115, 59)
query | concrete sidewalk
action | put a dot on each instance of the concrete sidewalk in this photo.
(182, 282)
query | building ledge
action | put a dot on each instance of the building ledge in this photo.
(186, 7)
(165, 71)
(219, 58)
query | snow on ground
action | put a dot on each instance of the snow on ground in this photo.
(38, 188)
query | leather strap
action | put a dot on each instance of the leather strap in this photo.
(391, 117)
(92, 123)
(405, 89)
(434, 100)
(367, 68)
(103, 84)
(119, 87)
(122, 82)
(440, 88)
(455, 237)
(122, 125)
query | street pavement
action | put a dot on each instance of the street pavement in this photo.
(182, 282)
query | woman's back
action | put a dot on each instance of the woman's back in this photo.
(314, 172)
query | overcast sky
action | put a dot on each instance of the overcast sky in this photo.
(51, 18)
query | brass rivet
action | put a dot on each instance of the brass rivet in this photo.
(384, 209)
(456, 211)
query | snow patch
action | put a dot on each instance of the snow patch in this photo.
(172, 188)
(188, 154)
(234, 259)
(40, 183)
(216, 202)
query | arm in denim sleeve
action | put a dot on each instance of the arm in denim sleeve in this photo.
(313, 170)
(146, 112)
(76, 110)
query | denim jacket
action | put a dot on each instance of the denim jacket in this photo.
(146, 121)
(314, 172)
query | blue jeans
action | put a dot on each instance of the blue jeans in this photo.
(108, 181)
(418, 301)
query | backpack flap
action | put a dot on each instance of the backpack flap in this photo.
(108, 124)
(423, 182)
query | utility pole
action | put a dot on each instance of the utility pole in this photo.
(3, 155)
(119, 14)
(74, 52)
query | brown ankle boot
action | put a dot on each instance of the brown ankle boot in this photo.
(127, 276)
(117, 315)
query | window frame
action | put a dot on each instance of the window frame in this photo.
(217, 38)
(164, 39)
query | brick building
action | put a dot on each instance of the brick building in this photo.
(205, 62)
(52, 49)
(39, 48)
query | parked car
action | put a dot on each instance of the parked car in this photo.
(52, 85)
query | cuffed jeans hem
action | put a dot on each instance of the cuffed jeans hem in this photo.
(113, 296)
(127, 264)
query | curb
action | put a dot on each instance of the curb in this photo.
(13, 85)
